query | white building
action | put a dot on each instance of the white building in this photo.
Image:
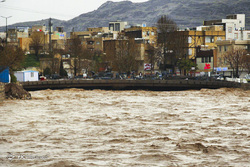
(24, 76)
(234, 25)
(117, 25)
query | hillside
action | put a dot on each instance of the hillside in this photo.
(186, 13)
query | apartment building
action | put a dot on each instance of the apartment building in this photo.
(148, 34)
(234, 26)
(223, 47)
(203, 37)
(117, 25)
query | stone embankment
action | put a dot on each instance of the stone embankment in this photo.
(245, 86)
(2, 91)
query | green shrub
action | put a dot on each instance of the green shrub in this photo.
(13, 78)
(47, 71)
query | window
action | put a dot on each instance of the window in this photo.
(189, 39)
(111, 27)
(152, 33)
(190, 52)
(248, 35)
(225, 48)
(235, 36)
(206, 60)
(32, 74)
(230, 29)
(117, 26)
(207, 39)
(219, 48)
(212, 39)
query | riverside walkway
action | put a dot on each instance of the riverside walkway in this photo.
(129, 84)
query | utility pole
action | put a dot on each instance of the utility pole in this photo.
(50, 43)
(6, 28)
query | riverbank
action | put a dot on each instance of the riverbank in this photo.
(2, 91)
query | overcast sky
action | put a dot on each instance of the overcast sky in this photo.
(32, 10)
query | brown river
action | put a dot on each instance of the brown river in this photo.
(75, 127)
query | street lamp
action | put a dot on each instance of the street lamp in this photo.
(6, 27)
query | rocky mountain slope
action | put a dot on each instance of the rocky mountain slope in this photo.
(189, 13)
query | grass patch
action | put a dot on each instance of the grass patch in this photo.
(31, 61)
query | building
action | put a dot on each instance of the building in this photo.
(149, 34)
(205, 40)
(58, 39)
(102, 30)
(15, 34)
(234, 26)
(52, 63)
(117, 25)
(111, 47)
(221, 66)
(25, 76)
(205, 60)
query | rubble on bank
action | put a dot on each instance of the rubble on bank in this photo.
(16, 91)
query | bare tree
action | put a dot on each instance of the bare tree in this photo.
(166, 26)
(11, 57)
(36, 43)
(246, 62)
(75, 49)
(235, 58)
(97, 59)
(126, 55)
(152, 56)
(81, 56)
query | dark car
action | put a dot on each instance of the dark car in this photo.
(106, 75)
(55, 76)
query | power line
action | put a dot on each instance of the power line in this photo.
(34, 11)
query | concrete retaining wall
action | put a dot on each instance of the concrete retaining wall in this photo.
(245, 86)
(2, 91)
(129, 84)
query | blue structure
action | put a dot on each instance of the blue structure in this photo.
(4, 74)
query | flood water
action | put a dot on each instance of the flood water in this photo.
(76, 127)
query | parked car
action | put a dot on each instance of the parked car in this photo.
(55, 76)
(247, 77)
(106, 75)
(42, 78)
(79, 77)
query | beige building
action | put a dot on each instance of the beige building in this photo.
(225, 46)
(149, 34)
(117, 25)
(58, 39)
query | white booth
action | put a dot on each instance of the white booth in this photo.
(24, 76)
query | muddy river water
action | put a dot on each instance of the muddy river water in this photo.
(76, 127)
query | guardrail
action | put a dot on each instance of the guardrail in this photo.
(129, 84)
